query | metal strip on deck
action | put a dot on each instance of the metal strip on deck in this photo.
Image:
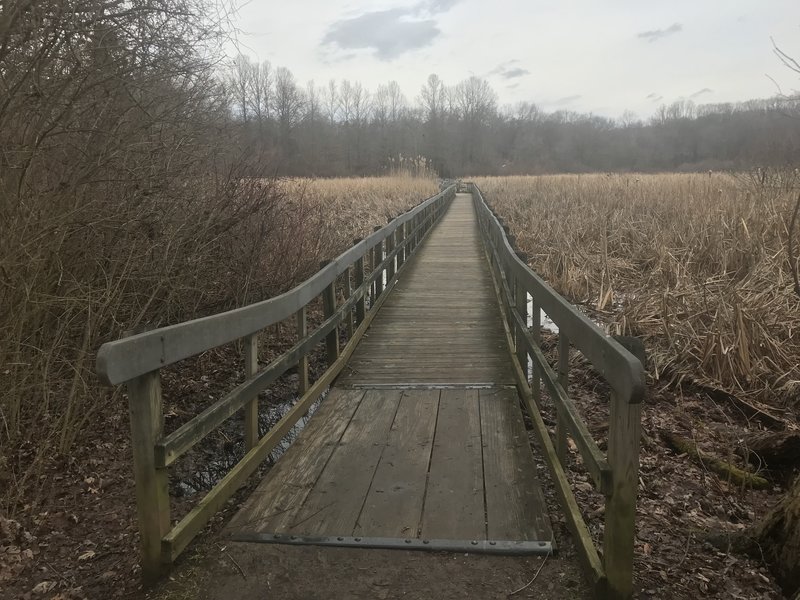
(502, 547)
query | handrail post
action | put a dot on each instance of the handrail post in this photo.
(302, 364)
(152, 493)
(359, 281)
(251, 408)
(521, 301)
(536, 332)
(624, 431)
(328, 309)
(563, 380)
(400, 237)
(377, 259)
(348, 291)
(390, 243)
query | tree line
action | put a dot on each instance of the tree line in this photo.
(343, 128)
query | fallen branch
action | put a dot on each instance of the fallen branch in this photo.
(725, 470)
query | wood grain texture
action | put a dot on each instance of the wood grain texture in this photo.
(441, 323)
(514, 497)
(281, 494)
(394, 503)
(454, 506)
(335, 502)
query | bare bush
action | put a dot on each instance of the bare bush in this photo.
(124, 201)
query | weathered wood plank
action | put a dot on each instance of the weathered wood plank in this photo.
(334, 503)
(393, 506)
(515, 504)
(278, 498)
(454, 506)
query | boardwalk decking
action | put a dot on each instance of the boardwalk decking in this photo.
(422, 437)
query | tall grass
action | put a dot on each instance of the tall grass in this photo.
(697, 264)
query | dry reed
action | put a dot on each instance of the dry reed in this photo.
(696, 264)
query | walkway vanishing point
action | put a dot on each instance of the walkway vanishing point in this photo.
(420, 442)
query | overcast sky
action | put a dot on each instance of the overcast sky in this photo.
(586, 55)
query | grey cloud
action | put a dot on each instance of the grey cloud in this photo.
(701, 92)
(516, 72)
(506, 71)
(389, 33)
(568, 99)
(656, 34)
(651, 96)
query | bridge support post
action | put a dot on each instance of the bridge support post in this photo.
(400, 237)
(377, 259)
(624, 432)
(302, 364)
(390, 243)
(152, 494)
(536, 332)
(521, 301)
(328, 308)
(251, 408)
(359, 281)
(563, 381)
(348, 291)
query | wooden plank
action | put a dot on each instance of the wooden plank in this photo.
(515, 504)
(393, 506)
(454, 506)
(334, 503)
(274, 504)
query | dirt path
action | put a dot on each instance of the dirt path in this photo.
(263, 571)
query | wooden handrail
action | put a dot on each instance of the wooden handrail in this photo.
(616, 474)
(136, 361)
(130, 357)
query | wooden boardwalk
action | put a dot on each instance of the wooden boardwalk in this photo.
(421, 440)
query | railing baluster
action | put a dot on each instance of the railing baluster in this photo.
(536, 332)
(624, 431)
(521, 297)
(390, 242)
(563, 380)
(328, 308)
(400, 236)
(348, 290)
(377, 259)
(359, 281)
(152, 494)
(302, 364)
(251, 408)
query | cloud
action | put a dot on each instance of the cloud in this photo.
(389, 33)
(701, 92)
(507, 71)
(656, 34)
(515, 72)
(567, 100)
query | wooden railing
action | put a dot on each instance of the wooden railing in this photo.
(615, 474)
(136, 361)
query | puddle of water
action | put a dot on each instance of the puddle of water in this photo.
(207, 465)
